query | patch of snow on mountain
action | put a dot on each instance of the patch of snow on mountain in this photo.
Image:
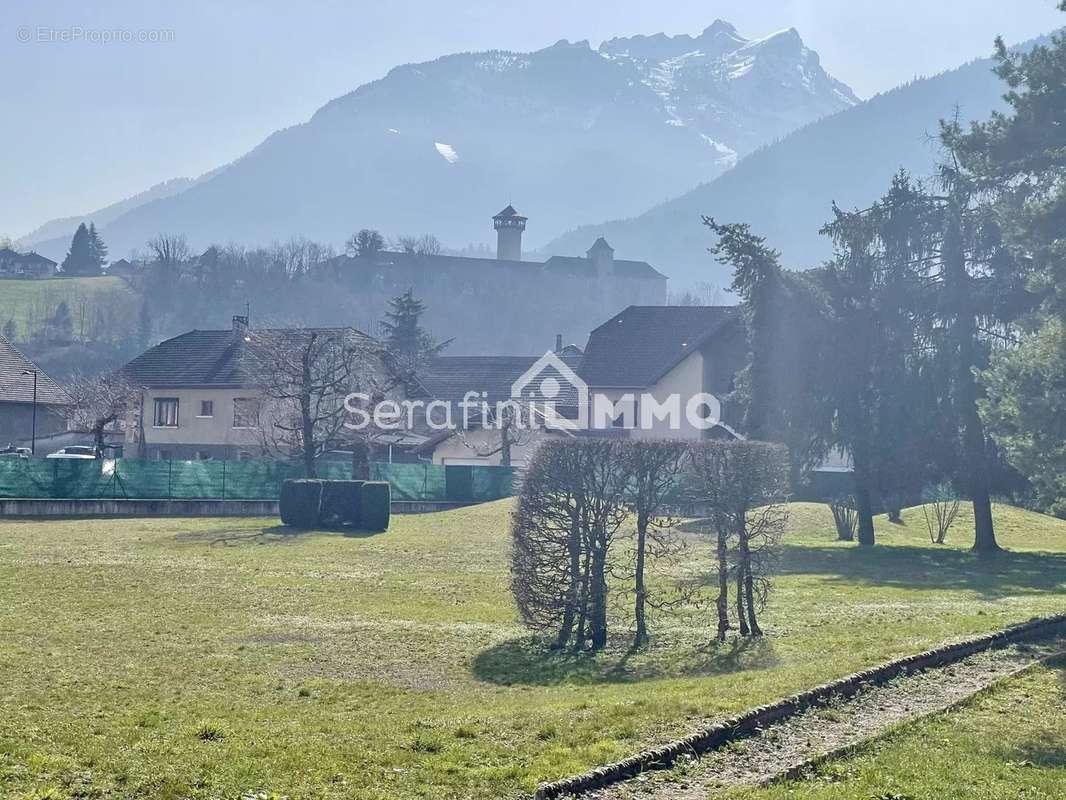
(727, 155)
(502, 62)
(447, 152)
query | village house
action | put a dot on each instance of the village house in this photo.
(17, 399)
(655, 352)
(25, 265)
(451, 379)
(201, 393)
(644, 351)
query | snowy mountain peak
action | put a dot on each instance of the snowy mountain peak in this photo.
(649, 116)
(719, 26)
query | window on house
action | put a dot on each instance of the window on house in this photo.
(166, 412)
(245, 412)
(244, 455)
(207, 408)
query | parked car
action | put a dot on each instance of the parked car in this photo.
(15, 452)
(74, 451)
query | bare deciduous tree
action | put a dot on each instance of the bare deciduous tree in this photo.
(307, 374)
(940, 513)
(569, 512)
(169, 249)
(97, 403)
(744, 486)
(845, 517)
(507, 425)
(653, 469)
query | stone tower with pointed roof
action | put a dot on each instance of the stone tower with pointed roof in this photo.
(601, 255)
(509, 225)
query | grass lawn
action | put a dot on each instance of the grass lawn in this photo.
(1007, 743)
(28, 302)
(210, 658)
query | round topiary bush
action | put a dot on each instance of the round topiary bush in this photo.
(300, 502)
(376, 503)
(341, 504)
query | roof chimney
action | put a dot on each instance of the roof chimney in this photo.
(558, 343)
(240, 323)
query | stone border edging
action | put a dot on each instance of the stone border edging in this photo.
(747, 723)
(797, 770)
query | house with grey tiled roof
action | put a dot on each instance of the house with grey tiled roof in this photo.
(25, 265)
(454, 379)
(642, 354)
(200, 392)
(650, 353)
(17, 398)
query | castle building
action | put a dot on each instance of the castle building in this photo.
(492, 305)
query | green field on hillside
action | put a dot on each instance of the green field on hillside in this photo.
(221, 658)
(30, 302)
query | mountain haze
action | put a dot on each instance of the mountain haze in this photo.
(57, 232)
(570, 134)
(785, 190)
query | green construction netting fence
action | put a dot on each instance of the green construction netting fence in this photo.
(234, 480)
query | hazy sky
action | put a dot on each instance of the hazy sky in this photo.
(86, 123)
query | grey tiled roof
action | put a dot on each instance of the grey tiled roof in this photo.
(641, 344)
(18, 388)
(451, 377)
(9, 256)
(213, 358)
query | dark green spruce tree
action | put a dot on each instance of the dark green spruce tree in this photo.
(405, 338)
(1015, 162)
(97, 248)
(781, 388)
(81, 259)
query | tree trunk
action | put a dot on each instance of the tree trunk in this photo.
(598, 587)
(307, 422)
(750, 592)
(747, 593)
(959, 290)
(573, 546)
(984, 539)
(360, 460)
(723, 587)
(640, 638)
(864, 508)
(505, 445)
(742, 618)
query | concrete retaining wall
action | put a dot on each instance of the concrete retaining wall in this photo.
(177, 508)
(138, 508)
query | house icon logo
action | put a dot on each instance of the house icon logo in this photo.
(556, 396)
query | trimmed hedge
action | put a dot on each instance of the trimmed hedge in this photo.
(300, 502)
(376, 503)
(341, 504)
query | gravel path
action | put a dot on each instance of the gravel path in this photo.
(789, 745)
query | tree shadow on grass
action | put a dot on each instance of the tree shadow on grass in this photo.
(931, 568)
(528, 662)
(275, 534)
